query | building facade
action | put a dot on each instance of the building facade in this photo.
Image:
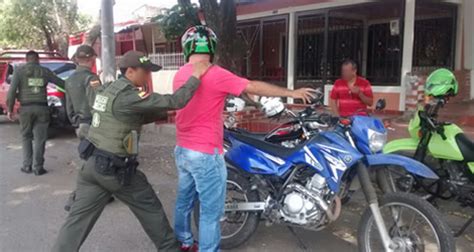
(302, 43)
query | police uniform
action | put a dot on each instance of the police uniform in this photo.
(80, 93)
(119, 111)
(29, 87)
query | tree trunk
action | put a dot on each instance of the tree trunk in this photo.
(222, 19)
(189, 12)
(227, 52)
(93, 35)
(48, 38)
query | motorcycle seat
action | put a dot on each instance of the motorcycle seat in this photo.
(260, 136)
(466, 146)
(258, 141)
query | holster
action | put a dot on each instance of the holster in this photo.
(85, 149)
(125, 175)
(108, 164)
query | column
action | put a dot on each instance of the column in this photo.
(291, 52)
(407, 54)
(108, 41)
(468, 6)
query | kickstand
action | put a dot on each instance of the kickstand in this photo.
(298, 239)
(464, 227)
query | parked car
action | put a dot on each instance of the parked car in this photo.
(63, 67)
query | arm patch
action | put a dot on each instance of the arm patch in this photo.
(143, 94)
(94, 83)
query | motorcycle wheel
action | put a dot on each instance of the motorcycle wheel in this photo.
(236, 226)
(403, 215)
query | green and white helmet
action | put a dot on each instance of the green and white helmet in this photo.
(441, 82)
(199, 39)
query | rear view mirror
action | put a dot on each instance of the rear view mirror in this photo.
(318, 97)
(380, 105)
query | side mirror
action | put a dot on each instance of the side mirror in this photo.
(272, 106)
(380, 105)
(318, 97)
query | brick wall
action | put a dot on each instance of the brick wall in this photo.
(250, 119)
(415, 90)
(464, 80)
(254, 120)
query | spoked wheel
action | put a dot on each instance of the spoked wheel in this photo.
(412, 224)
(236, 226)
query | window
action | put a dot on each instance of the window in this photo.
(383, 59)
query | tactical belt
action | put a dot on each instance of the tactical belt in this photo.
(118, 162)
(26, 104)
(109, 164)
(85, 120)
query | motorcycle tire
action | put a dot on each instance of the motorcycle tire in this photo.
(252, 220)
(443, 231)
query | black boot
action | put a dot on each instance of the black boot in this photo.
(26, 169)
(40, 171)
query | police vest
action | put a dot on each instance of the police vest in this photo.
(106, 132)
(33, 82)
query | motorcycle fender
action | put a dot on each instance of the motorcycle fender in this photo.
(411, 165)
(404, 144)
(471, 167)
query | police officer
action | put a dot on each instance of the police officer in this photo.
(29, 87)
(80, 93)
(80, 90)
(119, 111)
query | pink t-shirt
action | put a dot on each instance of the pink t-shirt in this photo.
(199, 125)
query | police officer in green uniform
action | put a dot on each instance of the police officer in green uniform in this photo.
(29, 87)
(80, 90)
(119, 111)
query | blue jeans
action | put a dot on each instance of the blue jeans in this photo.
(201, 176)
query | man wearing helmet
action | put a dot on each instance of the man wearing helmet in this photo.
(201, 167)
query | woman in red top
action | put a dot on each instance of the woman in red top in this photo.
(351, 94)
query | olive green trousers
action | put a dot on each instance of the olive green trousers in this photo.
(34, 122)
(93, 192)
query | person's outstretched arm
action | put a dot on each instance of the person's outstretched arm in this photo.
(265, 89)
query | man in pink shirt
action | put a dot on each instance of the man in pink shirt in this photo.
(199, 128)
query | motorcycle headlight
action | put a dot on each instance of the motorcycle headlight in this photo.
(54, 101)
(377, 140)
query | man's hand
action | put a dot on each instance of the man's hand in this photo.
(200, 68)
(306, 94)
(11, 116)
(354, 89)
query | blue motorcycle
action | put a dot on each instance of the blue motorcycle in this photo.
(301, 185)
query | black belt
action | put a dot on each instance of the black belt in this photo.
(85, 120)
(108, 164)
(119, 162)
(26, 104)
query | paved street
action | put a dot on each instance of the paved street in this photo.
(31, 208)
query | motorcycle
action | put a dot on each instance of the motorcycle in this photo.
(300, 187)
(445, 149)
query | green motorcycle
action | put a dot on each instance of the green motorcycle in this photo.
(442, 146)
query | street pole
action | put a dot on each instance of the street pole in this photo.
(107, 41)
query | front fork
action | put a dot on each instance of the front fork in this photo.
(371, 197)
